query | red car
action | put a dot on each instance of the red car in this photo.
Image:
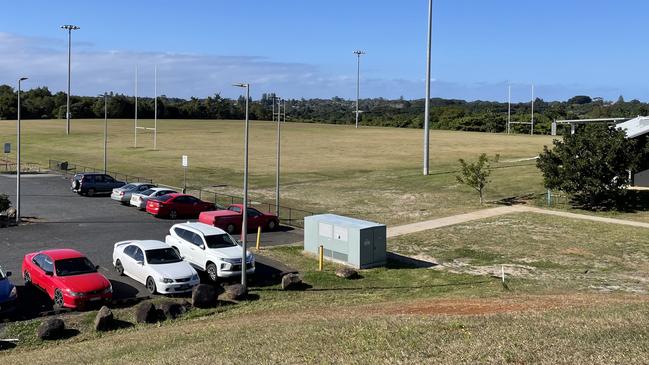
(67, 276)
(230, 219)
(177, 205)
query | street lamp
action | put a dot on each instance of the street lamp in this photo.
(427, 102)
(279, 138)
(358, 80)
(69, 28)
(20, 80)
(105, 96)
(244, 223)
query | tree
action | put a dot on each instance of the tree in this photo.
(591, 165)
(475, 174)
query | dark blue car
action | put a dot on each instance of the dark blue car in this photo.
(7, 293)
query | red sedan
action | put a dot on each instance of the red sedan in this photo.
(67, 276)
(177, 205)
(230, 219)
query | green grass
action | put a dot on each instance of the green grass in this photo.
(371, 172)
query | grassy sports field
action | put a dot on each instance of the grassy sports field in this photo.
(373, 173)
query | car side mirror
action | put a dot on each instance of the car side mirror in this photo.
(8, 274)
(96, 267)
(141, 263)
(49, 273)
(202, 247)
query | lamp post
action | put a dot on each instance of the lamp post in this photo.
(69, 28)
(279, 138)
(427, 102)
(105, 133)
(244, 222)
(358, 54)
(20, 80)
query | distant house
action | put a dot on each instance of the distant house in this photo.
(638, 128)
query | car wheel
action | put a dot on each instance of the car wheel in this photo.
(212, 272)
(90, 192)
(150, 285)
(272, 225)
(28, 278)
(119, 268)
(173, 214)
(58, 299)
(230, 228)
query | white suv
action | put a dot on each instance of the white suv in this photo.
(209, 249)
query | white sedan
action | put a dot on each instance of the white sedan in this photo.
(139, 199)
(156, 265)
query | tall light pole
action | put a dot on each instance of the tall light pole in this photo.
(509, 106)
(155, 109)
(136, 127)
(358, 54)
(69, 28)
(105, 133)
(244, 222)
(279, 114)
(532, 122)
(427, 101)
(20, 80)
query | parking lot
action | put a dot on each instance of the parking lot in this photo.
(59, 218)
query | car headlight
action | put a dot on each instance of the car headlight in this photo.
(250, 258)
(74, 293)
(166, 280)
(108, 290)
(231, 261)
(194, 277)
(13, 293)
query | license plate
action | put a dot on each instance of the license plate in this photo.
(95, 299)
(183, 287)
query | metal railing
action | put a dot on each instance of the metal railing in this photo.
(288, 216)
(10, 166)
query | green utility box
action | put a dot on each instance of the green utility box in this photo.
(349, 241)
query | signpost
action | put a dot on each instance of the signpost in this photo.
(7, 152)
(185, 164)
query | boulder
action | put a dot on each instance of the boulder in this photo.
(171, 310)
(204, 296)
(104, 320)
(291, 282)
(146, 313)
(10, 213)
(346, 273)
(236, 292)
(51, 329)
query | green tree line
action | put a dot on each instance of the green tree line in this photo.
(453, 114)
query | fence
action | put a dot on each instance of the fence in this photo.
(10, 166)
(287, 215)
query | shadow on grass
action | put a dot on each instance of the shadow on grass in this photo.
(310, 288)
(119, 324)
(5, 345)
(396, 261)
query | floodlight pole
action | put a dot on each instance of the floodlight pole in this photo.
(69, 28)
(244, 213)
(105, 133)
(155, 108)
(509, 106)
(279, 113)
(20, 80)
(532, 123)
(427, 101)
(358, 54)
(135, 129)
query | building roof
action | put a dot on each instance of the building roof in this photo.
(343, 221)
(635, 127)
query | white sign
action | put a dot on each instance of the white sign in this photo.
(185, 161)
(7, 147)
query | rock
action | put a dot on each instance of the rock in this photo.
(291, 282)
(346, 273)
(204, 296)
(236, 292)
(146, 313)
(171, 310)
(51, 329)
(104, 319)
(10, 213)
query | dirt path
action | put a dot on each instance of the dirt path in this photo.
(494, 212)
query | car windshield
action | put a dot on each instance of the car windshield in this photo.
(74, 266)
(162, 256)
(147, 192)
(128, 187)
(163, 198)
(220, 241)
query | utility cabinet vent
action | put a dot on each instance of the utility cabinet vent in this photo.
(349, 241)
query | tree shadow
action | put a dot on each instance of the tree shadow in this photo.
(6, 345)
(69, 333)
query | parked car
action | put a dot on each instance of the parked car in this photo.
(209, 249)
(93, 183)
(139, 199)
(8, 293)
(67, 276)
(177, 205)
(123, 193)
(230, 219)
(156, 265)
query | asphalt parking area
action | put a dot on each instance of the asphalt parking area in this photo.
(59, 218)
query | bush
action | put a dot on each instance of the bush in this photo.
(5, 203)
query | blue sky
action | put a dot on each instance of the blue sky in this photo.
(303, 48)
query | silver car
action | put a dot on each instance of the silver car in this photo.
(124, 193)
(139, 199)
